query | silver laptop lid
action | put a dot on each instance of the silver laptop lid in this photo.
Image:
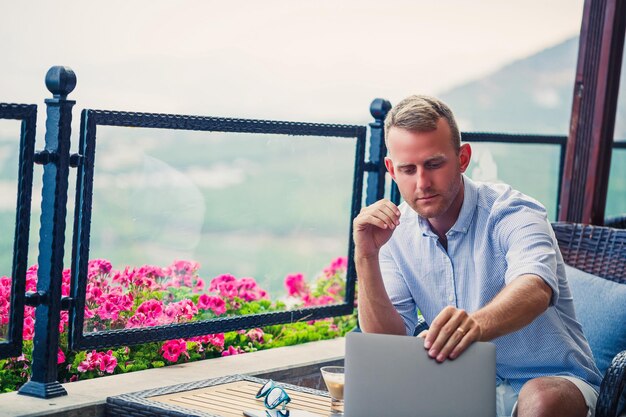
(394, 376)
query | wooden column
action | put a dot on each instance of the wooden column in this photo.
(588, 157)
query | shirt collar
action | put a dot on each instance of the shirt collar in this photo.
(470, 197)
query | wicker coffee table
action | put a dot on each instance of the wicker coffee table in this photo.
(218, 397)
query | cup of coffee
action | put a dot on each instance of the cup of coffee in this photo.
(334, 378)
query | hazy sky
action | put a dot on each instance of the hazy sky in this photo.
(314, 61)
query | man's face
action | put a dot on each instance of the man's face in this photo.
(427, 169)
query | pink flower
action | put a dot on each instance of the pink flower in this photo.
(89, 314)
(216, 340)
(31, 278)
(98, 267)
(64, 319)
(225, 285)
(310, 300)
(29, 328)
(181, 311)
(337, 265)
(210, 302)
(94, 293)
(103, 362)
(184, 267)
(199, 286)
(256, 335)
(90, 363)
(108, 311)
(60, 356)
(107, 362)
(232, 351)
(151, 309)
(296, 286)
(172, 349)
(140, 320)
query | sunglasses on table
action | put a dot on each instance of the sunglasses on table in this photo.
(275, 395)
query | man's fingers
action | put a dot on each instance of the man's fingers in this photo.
(380, 214)
(449, 329)
(441, 328)
(453, 343)
(464, 343)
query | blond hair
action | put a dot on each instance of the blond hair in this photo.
(420, 113)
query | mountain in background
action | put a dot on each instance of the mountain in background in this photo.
(531, 95)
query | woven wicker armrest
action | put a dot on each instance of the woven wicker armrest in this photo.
(612, 387)
(618, 222)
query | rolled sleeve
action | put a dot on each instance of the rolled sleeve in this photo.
(527, 240)
(397, 290)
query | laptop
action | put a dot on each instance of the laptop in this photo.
(394, 376)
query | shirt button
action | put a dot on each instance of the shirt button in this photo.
(451, 298)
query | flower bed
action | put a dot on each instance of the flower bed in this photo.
(150, 296)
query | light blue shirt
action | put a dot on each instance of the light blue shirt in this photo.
(500, 234)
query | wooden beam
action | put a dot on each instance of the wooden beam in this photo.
(588, 156)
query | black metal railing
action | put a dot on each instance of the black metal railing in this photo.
(57, 161)
(27, 114)
(90, 121)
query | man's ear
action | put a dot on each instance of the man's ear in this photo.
(465, 155)
(389, 166)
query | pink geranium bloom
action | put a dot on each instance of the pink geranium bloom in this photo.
(94, 293)
(98, 267)
(256, 335)
(310, 300)
(141, 320)
(211, 302)
(232, 351)
(29, 328)
(247, 283)
(337, 265)
(108, 311)
(151, 308)
(107, 362)
(124, 302)
(181, 311)
(60, 356)
(183, 267)
(90, 363)
(31, 278)
(296, 286)
(64, 319)
(221, 279)
(5, 282)
(172, 349)
(216, 340)
(199, 285)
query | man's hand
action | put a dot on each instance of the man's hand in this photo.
(373, 227)
(451, 332)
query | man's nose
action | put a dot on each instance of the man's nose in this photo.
(423, 180)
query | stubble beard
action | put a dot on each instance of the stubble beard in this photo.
(445, 198)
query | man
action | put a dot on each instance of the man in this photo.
(479, 261)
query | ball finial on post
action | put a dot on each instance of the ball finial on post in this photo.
(379, 108)
(60, 81)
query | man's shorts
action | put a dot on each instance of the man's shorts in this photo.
(506, 397)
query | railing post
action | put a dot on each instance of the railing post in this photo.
(375, 167)
(43, 383)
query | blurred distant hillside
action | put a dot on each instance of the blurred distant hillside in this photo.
(531, 95)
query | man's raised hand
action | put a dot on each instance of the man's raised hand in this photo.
(373, 227)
